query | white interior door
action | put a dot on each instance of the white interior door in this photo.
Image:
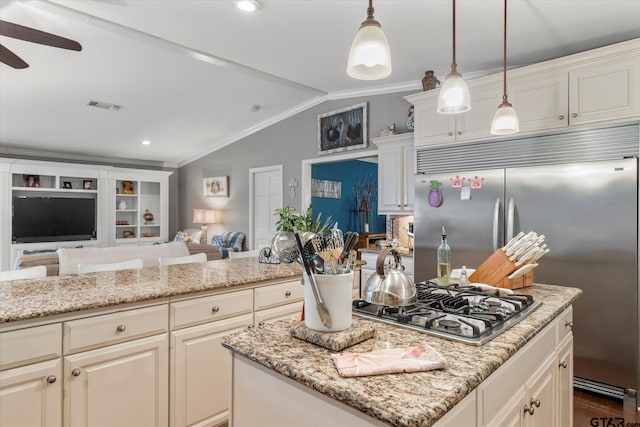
(266, 197)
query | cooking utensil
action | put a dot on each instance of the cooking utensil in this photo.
(323, 312)
(522, 271)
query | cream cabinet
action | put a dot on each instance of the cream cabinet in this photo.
(279, 301)
(31, 377)
(199, 371)
(116, 369)
(433, 128)
(598, 86)
(396, 174)
(512, 396)
(585, 95)
(119, 385)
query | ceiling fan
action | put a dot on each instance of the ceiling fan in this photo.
(31, 35)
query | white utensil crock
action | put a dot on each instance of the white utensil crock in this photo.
(336, 291)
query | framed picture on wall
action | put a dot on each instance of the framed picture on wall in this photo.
(343, 129)
(217, 186)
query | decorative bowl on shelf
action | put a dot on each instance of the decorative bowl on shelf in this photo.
(148, 234)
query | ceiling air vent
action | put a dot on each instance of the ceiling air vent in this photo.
(104, 105)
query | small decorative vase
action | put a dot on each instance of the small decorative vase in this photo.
(148, 217)
(122, 205)
(429, 81)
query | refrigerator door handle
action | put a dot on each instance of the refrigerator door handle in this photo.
(496, 223)
(510, 218)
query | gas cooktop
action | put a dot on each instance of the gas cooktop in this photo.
(462, 313)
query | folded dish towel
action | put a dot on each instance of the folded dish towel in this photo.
(388, 361)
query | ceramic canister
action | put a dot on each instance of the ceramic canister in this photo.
(336, 291)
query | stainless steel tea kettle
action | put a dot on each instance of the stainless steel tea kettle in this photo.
(390, 286)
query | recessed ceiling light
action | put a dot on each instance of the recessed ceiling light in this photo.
(146, 142)
(247, 5)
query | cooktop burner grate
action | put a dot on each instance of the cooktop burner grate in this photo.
(465, 314)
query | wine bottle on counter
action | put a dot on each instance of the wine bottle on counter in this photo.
(444, 260)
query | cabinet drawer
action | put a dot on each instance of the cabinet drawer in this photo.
(283, 293)
(289, 311)
(211, 308)
(564, 324)
(30, 345)
(112, 328)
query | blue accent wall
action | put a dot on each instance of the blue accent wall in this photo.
(343, 210)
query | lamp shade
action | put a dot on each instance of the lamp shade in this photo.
(505, 121)
(454, 95)
(205, 216)
(370, 56)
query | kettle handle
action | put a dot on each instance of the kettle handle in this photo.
(381, 257)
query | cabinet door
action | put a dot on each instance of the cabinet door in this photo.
(541, 398)
(541, 103)
(32, 395)
(431, 127)
(565, 383)
(120, 385)
(476, 123)
(390, 180)
(605, 92)
(200, 372)
(512, 413)
(409, 171)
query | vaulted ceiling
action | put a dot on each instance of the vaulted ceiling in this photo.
(187, 72)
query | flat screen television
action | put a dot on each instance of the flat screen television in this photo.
(53, 219)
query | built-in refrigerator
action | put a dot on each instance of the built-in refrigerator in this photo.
(588, 213)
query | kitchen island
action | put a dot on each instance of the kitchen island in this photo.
(137, 348)
(525, 369)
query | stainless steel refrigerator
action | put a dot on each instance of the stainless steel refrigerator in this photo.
(588, 213)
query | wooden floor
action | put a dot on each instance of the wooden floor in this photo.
(590, 409)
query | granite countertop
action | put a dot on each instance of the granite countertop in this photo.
(34, 298)
(408, 399)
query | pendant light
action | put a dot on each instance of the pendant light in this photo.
(505, 121)
(370, 56)
(454, 95)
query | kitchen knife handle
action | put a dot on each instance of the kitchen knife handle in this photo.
(496, 221)
(510, 219)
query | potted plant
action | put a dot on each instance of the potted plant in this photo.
(283, 243)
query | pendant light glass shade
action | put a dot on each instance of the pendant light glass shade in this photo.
(370, 56)
(505, 121)
(454, 95)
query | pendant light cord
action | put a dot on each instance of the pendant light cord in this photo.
(504, 59)
(454, 66)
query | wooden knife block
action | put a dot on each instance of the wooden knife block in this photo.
(495, 270)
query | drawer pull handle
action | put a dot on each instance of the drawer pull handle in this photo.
(561, 117)
(528, 409)
(574, 115)
(287, 294)
(459, 132)
(563, 364)
(534, 402)
(51, 379)
(121, 328)
(215, 309)
(568, 324)
(450, 133)
(76, 372)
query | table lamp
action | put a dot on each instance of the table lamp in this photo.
(204, 217)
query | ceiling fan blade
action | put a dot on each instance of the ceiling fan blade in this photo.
(20, 32)
(11, 59)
